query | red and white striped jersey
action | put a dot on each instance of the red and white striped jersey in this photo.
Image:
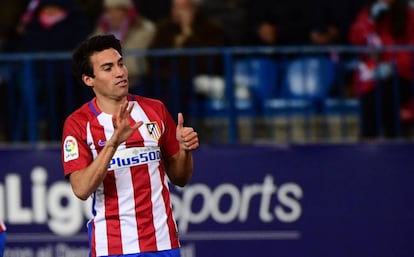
(131, 208)
(2, 227)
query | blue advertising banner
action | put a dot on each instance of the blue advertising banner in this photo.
(307, 200)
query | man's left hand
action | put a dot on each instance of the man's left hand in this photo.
(186, 136)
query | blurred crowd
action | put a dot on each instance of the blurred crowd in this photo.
(59, 25)
(226, 22)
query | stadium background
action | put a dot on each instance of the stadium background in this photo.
(277, 174)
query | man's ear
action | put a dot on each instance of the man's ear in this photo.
(88, 80)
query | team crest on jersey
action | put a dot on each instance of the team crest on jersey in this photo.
(70, 149)
(153, 130)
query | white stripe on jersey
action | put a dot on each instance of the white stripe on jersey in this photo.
(100, 232)
(101, 239)
(127, 208)
(106, 121)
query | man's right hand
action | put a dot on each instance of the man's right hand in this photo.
(122, 124)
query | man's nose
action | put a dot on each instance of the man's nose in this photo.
(120, 71)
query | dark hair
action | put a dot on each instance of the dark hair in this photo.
(81, 63)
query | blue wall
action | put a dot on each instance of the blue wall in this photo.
(302, 200)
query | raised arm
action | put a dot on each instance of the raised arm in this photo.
(85, 181)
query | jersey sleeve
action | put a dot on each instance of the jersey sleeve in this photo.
(76, 154)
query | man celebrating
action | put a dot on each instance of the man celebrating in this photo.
(121, 149)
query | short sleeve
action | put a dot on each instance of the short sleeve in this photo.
(76, 154)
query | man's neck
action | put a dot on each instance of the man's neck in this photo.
(109, 106)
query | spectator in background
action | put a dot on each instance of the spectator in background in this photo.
(51, 25)
(10, 12)
(384, 23)
(332, 22)
(299, 22)
(27, 16)
(120, 18)
(261, 23)
(185, 28)
(304, 23)
(333, 19)
(288, 21)
(231, 13)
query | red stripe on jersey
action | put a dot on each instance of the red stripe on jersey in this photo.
(143, 209)
(92, 241)
(170, 220)
(143, 202)
(113, 223)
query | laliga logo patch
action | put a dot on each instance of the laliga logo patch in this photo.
(153, 130)
(71, 151)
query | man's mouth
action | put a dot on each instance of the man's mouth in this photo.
(122, 83)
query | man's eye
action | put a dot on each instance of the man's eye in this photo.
(107, 68)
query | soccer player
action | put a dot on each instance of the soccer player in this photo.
(2, 238)
(122, 150)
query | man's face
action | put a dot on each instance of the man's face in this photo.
(111, 75)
